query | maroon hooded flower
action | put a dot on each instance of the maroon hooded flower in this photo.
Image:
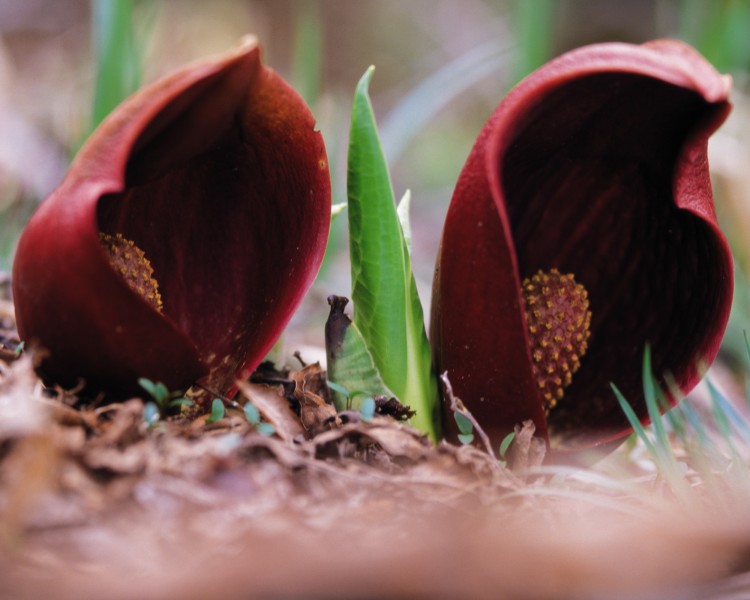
(184, 235)
(582, 228)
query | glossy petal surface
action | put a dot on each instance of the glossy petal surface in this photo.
(217, 173)
(595, 165)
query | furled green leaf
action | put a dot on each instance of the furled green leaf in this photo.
(387, 310)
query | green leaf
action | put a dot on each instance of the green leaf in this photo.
(335, 387)
(505, 444)
(466, 438)
(180, 402)
(350, 364)
(147, 385)
(464, 425)
(367, 410)
(265, 429)
(217, 411)
(151, 413)
(387, 309)
(161, 393)
(252, 414)
(158, 390)
(634, 421)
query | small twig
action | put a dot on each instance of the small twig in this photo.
(298, 356)
(225, 399)
(457, 405)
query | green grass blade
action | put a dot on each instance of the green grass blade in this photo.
(118, 62)
(695, 423)
(675, 418)
(635, 422)
(387, 309)
(424, 101)
(719, 30)
(308, 43)
(733, 419)
(533, 21)
(652, 402)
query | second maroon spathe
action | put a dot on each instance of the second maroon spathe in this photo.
(593, 170)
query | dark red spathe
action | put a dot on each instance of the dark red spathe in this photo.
(217, 173)
(596, 165)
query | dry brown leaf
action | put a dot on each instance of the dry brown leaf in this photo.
(28, 474)
(399, 441)
(23, 410)
(126, 461)
(316, 414)
(121, 424)
(274, 408)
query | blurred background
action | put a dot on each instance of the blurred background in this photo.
(442, 67)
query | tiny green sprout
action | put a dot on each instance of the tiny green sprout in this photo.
(253, 417)
(505, 444)
(163, 399)
(158, 390)
(217, 411)
(151, 414)
(339, 389)
(465, 426)
(367, 410)
(19, 348)
(252, 414)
